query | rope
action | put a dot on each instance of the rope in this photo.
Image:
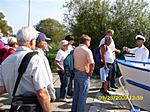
(126, 93)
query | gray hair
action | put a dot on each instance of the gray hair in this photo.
(107, 37)
(26, 34)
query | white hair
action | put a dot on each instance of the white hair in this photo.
(26, 34)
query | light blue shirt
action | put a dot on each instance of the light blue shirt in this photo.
(33, 79)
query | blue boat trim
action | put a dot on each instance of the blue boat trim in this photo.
(127, 63)
(142, 86)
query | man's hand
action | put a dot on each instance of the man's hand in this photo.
(52, 99)
(63, 72)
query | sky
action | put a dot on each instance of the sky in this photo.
(16, 11)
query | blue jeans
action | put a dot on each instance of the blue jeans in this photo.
(64, 84)
(81, 86)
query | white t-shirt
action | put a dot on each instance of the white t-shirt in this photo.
(109, 58)
(111, 46)
(60, 56)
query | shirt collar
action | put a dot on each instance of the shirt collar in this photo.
(23, 48)
(83, 45)
(39, 50)
(142, 46)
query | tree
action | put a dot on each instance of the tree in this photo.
(93, 17)
(53, 29)
(3, 24)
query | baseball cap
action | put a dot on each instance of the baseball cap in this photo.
(140, 37)
(42, 37)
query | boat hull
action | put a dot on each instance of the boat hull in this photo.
(137, 81)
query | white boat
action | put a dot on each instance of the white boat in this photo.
(137, 81)
(131, 57)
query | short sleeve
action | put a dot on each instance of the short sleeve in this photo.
(90, 57)
(40, 77)
(58, 56)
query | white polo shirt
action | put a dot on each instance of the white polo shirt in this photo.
(141, 53)
(34, 78)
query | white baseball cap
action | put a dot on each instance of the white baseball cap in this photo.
(140, 37)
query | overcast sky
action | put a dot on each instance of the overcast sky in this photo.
(16, 11)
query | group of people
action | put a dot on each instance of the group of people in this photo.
(38, 78)
(108, 65)
(83, 69)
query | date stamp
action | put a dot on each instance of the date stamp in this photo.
(119, 98)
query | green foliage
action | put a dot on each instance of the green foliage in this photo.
(127, 18)
(51, 54)
(3, 24)
(53, 29)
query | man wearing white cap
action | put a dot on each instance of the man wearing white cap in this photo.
(141, 52)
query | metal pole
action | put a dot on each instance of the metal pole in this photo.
(29, 14)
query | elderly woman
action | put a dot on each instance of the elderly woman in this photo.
(61, 55)
(12, 42)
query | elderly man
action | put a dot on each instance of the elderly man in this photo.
(141, 52)
(35, 79)
(41, 46)
(106, 69)
(110, 32)
(84, 65)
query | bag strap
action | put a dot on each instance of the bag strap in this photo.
(24, 63)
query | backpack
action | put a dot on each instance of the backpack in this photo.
(96, 55)
(69, 64)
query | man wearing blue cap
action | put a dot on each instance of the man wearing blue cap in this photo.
(41, 46)
(141, 52)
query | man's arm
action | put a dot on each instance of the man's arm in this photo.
(43, 98)
(103, 52)
(2, 90)
(91, 68)
(59, 66)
